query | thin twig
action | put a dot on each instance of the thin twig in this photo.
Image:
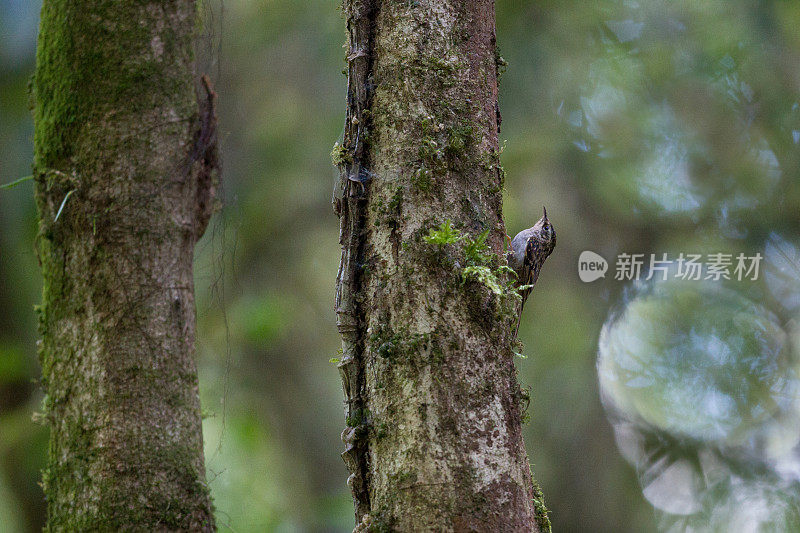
(16, 182)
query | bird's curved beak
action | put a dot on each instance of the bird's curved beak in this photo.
(550, 232)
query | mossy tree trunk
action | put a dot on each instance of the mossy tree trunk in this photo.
(433, 438)
(125, 160)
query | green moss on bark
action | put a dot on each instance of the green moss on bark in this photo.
(118, 131)
(78, 80)
(542, 514)
(425, 308)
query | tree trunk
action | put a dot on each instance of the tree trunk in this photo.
(125, 162)
(433, 438)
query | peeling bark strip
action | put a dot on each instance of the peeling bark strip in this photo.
(350, 203)
(433, 438)
(120, 130)
(206, 153)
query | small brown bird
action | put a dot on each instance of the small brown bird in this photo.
(528, 251)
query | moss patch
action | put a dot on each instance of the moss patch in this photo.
(542, 518)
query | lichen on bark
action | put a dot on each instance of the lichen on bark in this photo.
(126, 156)
(433, 437)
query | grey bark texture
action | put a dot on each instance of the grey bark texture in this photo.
(125, 164)
(424, 299)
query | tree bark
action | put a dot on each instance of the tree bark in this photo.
(425, 309)
(125, 162)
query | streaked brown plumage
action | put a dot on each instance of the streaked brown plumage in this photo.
(529, 249)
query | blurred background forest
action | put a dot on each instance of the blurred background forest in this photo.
(644, 126)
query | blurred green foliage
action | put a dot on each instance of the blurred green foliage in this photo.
(644, 126)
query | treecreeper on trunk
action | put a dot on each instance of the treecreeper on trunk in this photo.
(529, 249)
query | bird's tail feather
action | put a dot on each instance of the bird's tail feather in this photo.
(516, 329)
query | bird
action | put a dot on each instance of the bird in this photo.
(528, 251)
